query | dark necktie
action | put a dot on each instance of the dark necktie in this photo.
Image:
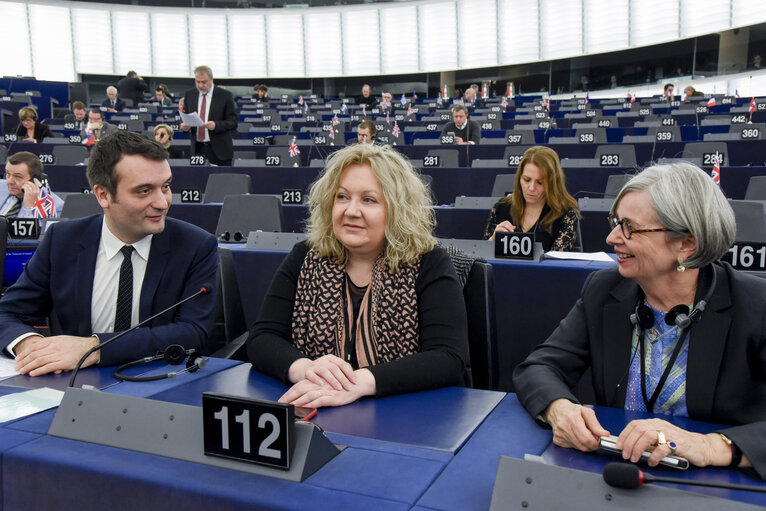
(201, 129)
(124, 292)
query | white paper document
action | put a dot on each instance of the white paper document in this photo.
(581, 256)
(7, 367)
(193, 119)
(21, 404)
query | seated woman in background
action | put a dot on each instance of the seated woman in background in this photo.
(539, 203)
(164, 134)
(29, 129)
(368, 305)
(633, 327)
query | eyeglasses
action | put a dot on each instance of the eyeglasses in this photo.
(628, 230)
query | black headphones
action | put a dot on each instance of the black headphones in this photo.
(238, 236)
(173, 355)
(678, 315)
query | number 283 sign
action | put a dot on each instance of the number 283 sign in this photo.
(252, 430)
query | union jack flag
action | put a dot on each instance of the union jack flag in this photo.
(335, 120)
(505, 102)
(300, 100)
(294, 151)
(409, 110)
(332, 133)
(546, 103)
(716, 172)
(753, 105)
(396, 131)
(44, 205)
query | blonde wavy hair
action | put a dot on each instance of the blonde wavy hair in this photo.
(556, 195)
(410, 216)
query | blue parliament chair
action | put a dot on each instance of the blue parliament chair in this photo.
(78, 205)
(3, 246)
(756, 188)
(70, 154)
(750, 216)
(241, 214)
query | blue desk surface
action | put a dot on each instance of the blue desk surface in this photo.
(441, 419)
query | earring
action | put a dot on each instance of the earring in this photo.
(680, 268)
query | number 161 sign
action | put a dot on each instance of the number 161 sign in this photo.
(253, 430)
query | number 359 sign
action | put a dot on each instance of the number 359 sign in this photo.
(253, 430)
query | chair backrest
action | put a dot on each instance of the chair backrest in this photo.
(78, 205)
(233, 314)
(751, 220)
(447, 157)
(3, 154)
(756, 188)
(220, 185)
(3, 246)
(69, 154)
(626, 155)
(479, 293)
(244, 213)
(504, 184)
(614, 184)
(486, 203)
(280, 157)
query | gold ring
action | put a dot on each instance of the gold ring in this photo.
(661, 440)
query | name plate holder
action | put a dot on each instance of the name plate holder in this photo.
(172, 430)
(522, 485)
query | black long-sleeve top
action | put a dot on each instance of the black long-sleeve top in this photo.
(443, 355)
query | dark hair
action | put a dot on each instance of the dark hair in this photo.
(369, 125)
(131, 74)
(32, 161)
(78, 105)
(99, 112)
(110, 150)
(459, 107)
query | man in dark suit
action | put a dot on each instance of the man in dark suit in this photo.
(97, 125)
(78, 117)
(105, 273)
(213, 140)
(465, 130)
(112, 103)
(132, 87)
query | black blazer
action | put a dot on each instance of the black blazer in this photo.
(119, 104)
(224, 112)
(726, 368)
(41, 131)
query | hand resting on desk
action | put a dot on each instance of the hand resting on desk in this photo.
(37, 355)
(309, 394)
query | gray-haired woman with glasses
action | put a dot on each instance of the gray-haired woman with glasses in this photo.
(671, 331)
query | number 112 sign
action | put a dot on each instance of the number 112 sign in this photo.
(252, 430)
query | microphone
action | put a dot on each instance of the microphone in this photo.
(629, 476)
(203, 290)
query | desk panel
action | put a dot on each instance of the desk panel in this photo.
(440, 419)
(94, 477)
(615, 419)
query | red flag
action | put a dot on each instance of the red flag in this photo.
(632, 97)
(90, 139)
(753, 105)
(335, 120)
(711, 102)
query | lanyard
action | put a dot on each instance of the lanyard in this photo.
(658, 389)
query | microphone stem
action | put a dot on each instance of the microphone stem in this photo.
(147, 320)
(728, 486)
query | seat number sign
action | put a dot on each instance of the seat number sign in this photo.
(515, 245)
(252, 430)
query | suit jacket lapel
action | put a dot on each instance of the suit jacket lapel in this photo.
(86, 268)
(155, 267)
(706, 346)
(618, 332)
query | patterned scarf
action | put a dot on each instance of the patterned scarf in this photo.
(387, 326)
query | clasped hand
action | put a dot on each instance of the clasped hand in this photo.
(327, 381)
(577, 426)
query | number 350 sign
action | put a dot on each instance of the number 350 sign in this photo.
(251, 430)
